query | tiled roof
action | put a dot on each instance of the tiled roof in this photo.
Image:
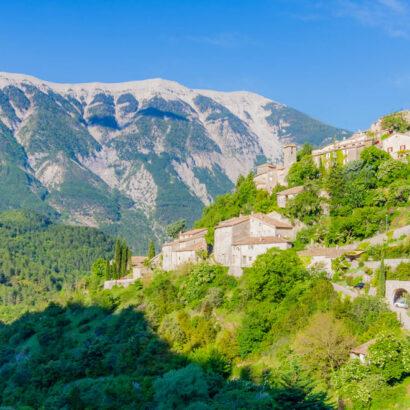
(255, 240)
(266, 165)
(194, 231)
(327, 252)
(291, 191)
(137, 259)
(364, 348)
(195, 247)
(272, 221)
(262, 217)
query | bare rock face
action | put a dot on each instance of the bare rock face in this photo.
(132, 157)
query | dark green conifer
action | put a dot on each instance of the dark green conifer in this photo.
(108, 270)
(124, 256)
(151, 249)
(117, 260)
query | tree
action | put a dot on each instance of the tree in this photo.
(178, 388)
(274, 274)
(324, 344)
(390, 356)
(306, 207)
(381, 289)
(151, 250)
(117, 258)
(108, 273)
(124, 258)
(392, 170)
(374, 156)
(306, 150)
(175, 228)
(302, 171)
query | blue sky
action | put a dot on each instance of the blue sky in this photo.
(342, 61)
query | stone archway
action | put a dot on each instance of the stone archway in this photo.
(399, 294)
(394, 291)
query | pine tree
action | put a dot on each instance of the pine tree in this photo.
(129, 256)
(151, 249)
(124, 255)
(117, 261)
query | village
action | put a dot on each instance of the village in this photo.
(240, 240)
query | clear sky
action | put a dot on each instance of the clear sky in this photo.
(345, 62)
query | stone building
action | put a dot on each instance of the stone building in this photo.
(268, 176)
(242, 231)
(283, 196)
(184, 249)
(396, 144)
(246, 250)
(342, 152)
(361, 352)
(138, 271)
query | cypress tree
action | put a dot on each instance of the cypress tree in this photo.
(151, 249)
(382, 277)
(107, 270)
(118, 256)
(129, 256)
(124, 255)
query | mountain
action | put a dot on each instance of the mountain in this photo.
(132, 157)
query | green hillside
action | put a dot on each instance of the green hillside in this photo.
(40, 259)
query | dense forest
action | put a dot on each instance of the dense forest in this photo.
(278, 337)
(39, 259)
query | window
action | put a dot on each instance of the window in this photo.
(402, 147)
(250, 246)
(244, 260)
(250, 258)
(390, 149)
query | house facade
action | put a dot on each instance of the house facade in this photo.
(239, 239)
(246, 250)
(184, 249)
(284, 196)
(342, 152)
(397, 145)
(268, 176)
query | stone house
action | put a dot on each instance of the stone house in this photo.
(138, 268)
(241, 230)
(138, 271)
(342, 152)
(397, 145)
(324, 256)
(283, 196)
(361, 352)
(268, 176)
(246, 250)
(184, 249)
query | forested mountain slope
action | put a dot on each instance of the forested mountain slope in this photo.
(38, 259)
(133, 157)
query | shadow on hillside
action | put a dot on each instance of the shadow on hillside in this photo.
(79, 357)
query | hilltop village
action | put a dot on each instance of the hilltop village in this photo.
(239, 240)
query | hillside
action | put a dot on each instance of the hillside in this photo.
(132, 157)
(38, 259)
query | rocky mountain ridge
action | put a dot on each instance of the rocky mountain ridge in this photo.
(132, 157)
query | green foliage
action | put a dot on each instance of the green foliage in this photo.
(374, 156)
(306, 150)
(302, 171)
(177, 388)
(305, 206)
(39, 259)
(175, 228)
(274, 274)
(395, 122)
(151, 250)
(392, 170)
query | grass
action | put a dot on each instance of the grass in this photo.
(397, 397)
